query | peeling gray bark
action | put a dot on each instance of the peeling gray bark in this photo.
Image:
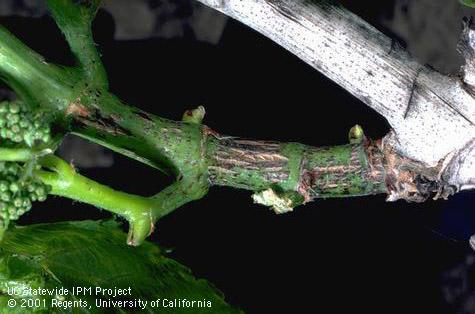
(432, 116)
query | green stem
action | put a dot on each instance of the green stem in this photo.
(141, 212)
(80, 188)
(75, 23)
(34, 80)
(66, 182)
(16, 154)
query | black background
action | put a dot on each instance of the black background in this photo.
(330, 256)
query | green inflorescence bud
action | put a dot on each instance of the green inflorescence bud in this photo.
(356, 135)
(20, 126)
(17, 191)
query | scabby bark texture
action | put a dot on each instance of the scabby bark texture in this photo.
(285, 175)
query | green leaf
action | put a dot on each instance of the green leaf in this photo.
(93, 254)
(468, 3)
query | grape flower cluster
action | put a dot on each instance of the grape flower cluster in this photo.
(19, 127)
(18, 190)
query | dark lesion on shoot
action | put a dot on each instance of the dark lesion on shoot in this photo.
(56, 100)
